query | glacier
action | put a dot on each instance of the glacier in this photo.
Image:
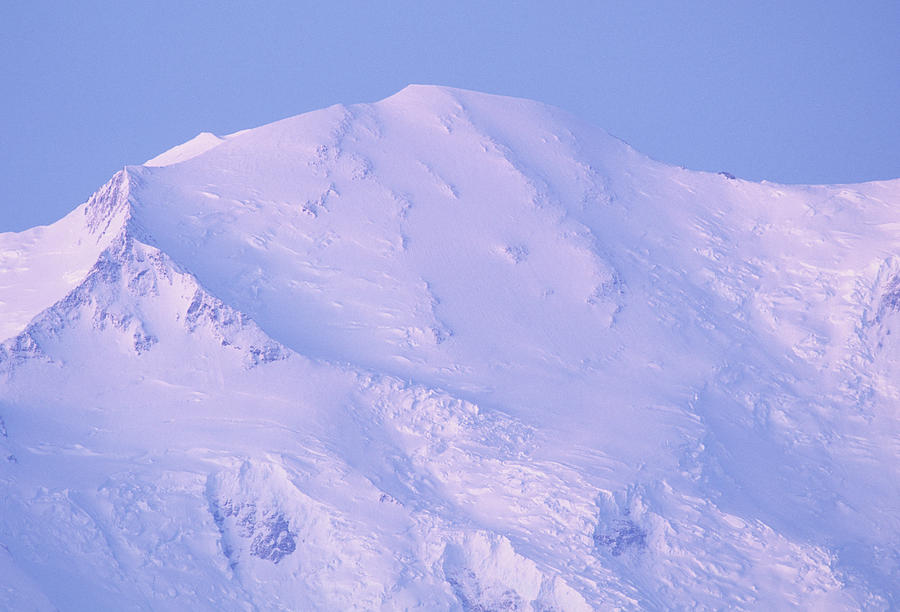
(450, 351)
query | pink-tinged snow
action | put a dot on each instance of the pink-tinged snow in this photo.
(201, 143)
(450, 351)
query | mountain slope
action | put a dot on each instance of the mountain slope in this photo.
(451, 351)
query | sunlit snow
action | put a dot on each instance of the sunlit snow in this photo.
(450, 351)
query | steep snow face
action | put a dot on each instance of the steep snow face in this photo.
(450, 351)
(41, 265)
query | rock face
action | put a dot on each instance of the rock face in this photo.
(450, 351)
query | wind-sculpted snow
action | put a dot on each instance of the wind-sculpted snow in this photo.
(450, 351)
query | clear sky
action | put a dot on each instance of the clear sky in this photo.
(793, 91)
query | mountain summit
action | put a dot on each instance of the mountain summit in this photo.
(450, 351)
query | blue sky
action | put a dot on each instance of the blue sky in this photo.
(790, 91)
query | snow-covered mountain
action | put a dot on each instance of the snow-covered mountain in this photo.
(450, 351)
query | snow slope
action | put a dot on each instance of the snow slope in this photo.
(450, 351)
(201, 143)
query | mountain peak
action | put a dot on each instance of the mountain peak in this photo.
(108, 210)
(202, 142)
(451, 350)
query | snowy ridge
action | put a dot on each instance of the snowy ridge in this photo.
(108, 211)
(127, 274)
(450, 351)
(39, 266)
(202, 142)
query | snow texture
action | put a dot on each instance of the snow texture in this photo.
(450, 351)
